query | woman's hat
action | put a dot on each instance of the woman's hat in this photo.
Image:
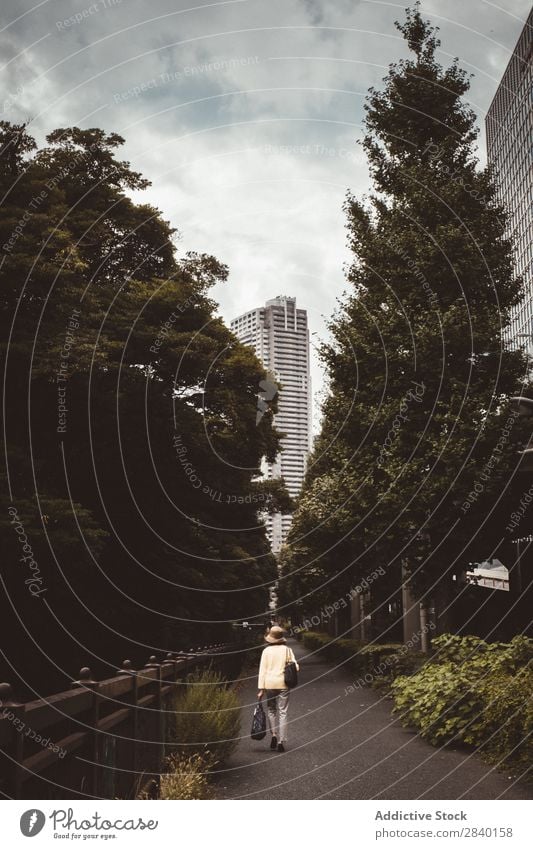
(275, 635)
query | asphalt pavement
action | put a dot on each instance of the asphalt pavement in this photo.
(345, 745)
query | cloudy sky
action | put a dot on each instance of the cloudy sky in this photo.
(244, 114)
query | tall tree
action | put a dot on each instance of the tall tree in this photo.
(417, 446)
(131, 442)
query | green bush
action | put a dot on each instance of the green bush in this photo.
(476, 693)
(334, 649)
(378, 664)
(374, 661)
(206, 717)
(400, 663)
(314, 640)
(187, 777)
(341, 651)
(438, 701)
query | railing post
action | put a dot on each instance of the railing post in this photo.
(166, 705)
(127, 669)
(159, 727)
(172, 658)
(14, 711)
(86, 680)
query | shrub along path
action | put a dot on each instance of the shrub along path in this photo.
(346, 746)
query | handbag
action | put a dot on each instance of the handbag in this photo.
(291, 673)
(259, 723)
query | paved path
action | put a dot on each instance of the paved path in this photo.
(348, 747)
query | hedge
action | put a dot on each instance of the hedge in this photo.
(475, 693)
(371, 664)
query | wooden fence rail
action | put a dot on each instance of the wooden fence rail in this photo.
(101, 739)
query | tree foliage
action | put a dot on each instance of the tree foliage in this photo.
(418, 444)
(131, 445)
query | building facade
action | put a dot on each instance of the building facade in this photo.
(509, 126)
(279, 334)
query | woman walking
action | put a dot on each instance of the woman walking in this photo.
(272, 683)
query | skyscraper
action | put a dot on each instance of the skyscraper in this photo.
(279, 335)
(509, 125)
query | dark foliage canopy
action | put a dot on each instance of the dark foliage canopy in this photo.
(131, 446)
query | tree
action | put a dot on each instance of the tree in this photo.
(133, 453)
(418, 446)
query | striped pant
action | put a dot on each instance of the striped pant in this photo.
(277, 708)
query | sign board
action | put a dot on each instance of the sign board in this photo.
(491, 574)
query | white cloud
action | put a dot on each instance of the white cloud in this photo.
(213, 99)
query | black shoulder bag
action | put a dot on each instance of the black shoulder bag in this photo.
(291, 673)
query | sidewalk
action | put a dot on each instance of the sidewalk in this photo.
(348, 747)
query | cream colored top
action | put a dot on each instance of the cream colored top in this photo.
(272, 667)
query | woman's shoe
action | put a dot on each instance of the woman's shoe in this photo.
(274, 742)
(281, 747)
